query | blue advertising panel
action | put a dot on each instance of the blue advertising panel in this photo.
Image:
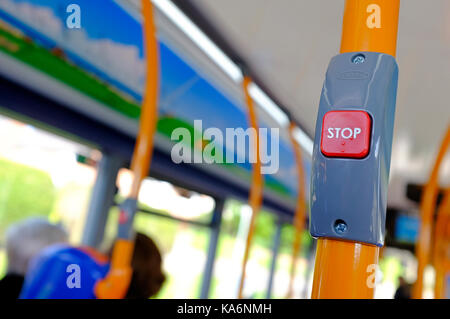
(406, 229)
(104, 61)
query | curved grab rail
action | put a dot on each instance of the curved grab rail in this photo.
(300, 210)
(427, 209)
(441, 245)
(116, 283)
(257, 182)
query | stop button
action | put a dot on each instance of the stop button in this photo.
(346, 134)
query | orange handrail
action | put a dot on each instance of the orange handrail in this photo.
(115, 284)
(427, 209)
(300, 210)
(370, 25)
(143, 149)
(343, 269)
(257, 182)
(441, 245)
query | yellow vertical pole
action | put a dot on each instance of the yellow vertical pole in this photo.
(427, 209)
(115, 284)
(300, 210)
(343, 268)
(371, 26)
(441, 245)
(256, 188)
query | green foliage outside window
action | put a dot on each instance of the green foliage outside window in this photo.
(24, 192)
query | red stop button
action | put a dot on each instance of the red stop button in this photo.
(346, 134)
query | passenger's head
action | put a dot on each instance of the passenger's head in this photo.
(147, 276)
(27, 238)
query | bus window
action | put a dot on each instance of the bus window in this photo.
(235, 223)
(42, 175)
(178, 221)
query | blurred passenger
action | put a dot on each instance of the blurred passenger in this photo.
(24, 240)
(147, 278)
(404, 289)
(146, 281)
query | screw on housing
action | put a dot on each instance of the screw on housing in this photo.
(340, 227)
(358, 59)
